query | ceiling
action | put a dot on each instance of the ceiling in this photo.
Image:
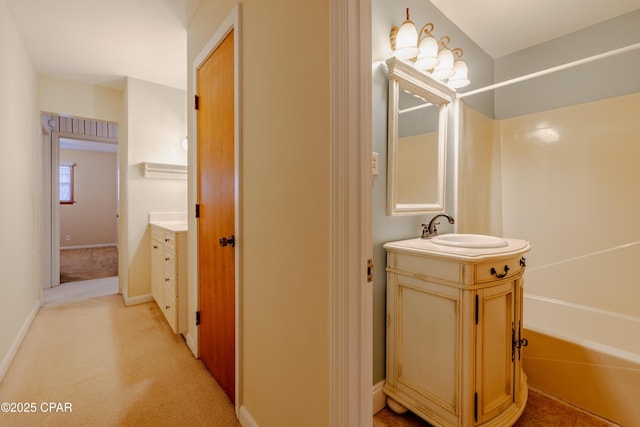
(102, 41)
(501, 27)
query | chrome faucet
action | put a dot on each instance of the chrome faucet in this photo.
(430, 230)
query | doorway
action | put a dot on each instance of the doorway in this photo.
(80, 227)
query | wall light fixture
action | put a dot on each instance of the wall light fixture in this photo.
(421, 50)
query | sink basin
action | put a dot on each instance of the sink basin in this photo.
(478, 241)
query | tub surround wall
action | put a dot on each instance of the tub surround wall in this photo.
(569, 179)
(566, 180)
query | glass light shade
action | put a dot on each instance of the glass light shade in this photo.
(428, 54)
(459, 78)
(444, 69)
(406, 41)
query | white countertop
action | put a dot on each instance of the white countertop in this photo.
(172, 221)
(175, 226)
(427, 247)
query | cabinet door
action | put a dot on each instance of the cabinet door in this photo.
(494, 364)
(424, 329)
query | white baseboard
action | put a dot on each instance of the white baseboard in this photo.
(15, 345)
(99, 245)
(379, 398)
(379, 402)
(191, 343)
(140, 299)
(245, 418)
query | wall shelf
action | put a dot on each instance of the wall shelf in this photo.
(164, 171)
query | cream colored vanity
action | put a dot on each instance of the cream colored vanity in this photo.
(169, 271)
(454, 329)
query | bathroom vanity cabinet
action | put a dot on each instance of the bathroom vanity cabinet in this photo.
(169, 274)
(454, 332)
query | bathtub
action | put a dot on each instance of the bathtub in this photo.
(585, 356)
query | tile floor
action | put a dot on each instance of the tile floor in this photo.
(75, 291)
(541, 411)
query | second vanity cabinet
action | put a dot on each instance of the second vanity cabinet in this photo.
(454, 332)
(169, 274)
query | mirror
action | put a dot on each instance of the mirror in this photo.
(417, 138)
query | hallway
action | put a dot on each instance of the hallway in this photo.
(102, 363)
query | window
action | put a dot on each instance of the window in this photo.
(66, 184)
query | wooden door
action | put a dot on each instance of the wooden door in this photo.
(216, 196)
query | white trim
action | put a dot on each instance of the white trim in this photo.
(231, 23)
(140, 299)
(350, 151)
(245, 418)
(55, 209)
(379, 398)
(17, 341)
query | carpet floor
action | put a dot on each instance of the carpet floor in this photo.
(111, 365)
(88, 263)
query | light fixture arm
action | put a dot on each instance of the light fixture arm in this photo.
(444, 41)
(426, 30)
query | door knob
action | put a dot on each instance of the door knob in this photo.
(227, 241)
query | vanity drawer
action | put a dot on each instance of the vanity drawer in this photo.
(169, 240)
(169, 258)
(424, 267)
(169, 283)
(497, 270)
(169, 310)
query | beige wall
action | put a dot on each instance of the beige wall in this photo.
(285, 205)
(154, 126)
(19, 190)
(92, 219)
(56, 95)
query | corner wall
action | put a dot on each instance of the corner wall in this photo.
(154, 128)
(386, 14)
(19, 191)
(284, 181)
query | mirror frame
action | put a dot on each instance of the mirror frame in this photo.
(403, 76)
